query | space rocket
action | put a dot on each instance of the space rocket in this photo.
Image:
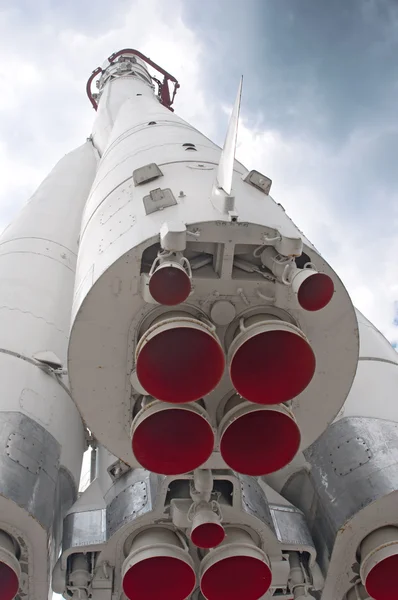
(160, 308)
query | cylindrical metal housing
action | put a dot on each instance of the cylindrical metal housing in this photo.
(41, 431)
(156, 191)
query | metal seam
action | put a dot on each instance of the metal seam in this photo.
(376, 359)
(43, 367)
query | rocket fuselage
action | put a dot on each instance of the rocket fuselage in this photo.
(242, 410)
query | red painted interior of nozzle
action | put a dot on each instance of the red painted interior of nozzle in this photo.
(170, 285)
(272, 367)
(180, 365)
(315, 292)
(236, 578)
(260, 442)
(9, 583)
(208, 535)
(381, 583)
(173, 441)
(160, 577)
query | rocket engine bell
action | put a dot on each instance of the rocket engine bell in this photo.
(158, 304)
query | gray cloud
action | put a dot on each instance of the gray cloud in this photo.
(319, 101)
(83, 16)
(320, 78)
(315, 67)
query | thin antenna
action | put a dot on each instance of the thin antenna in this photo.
(226, 165)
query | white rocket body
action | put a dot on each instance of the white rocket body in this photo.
(245, 447)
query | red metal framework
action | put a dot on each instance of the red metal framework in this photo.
(163, 86)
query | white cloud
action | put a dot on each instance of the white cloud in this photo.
(44, 111)
(17, 180)
(362, 252)
(15, 75)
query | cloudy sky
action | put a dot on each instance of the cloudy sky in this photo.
(319, 114)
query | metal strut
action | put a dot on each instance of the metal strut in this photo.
(163, 86)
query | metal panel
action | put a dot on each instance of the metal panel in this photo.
(133, 502)
(370, 446)
(254, 501)
(291, 527)
(259, 181)
(66, 495)
(158, 200)
(146, 173)
(354, 477)
(131, 497)
(29, 462)
(87, 528)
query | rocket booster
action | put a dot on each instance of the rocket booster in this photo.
(198, 303)
(160, 306)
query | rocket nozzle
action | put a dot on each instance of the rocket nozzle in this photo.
(270, 361)
(379, 563)
(258, 440)
(158, 567)
(171, 439)
(207, 531)
(314, 290)
(10, 570)
(170, 284)
(179, 359)
(236, 569)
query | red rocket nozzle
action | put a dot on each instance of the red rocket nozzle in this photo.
(9, 583)
(235, 578)
(171, 441)
(208, 535)
(271, 363)
(163, 577)
(170, 284)
(381, 583)
(379, 563)
(207, 531)
(258, 441)
(158, 567)
(316, 291)
(179, 361)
